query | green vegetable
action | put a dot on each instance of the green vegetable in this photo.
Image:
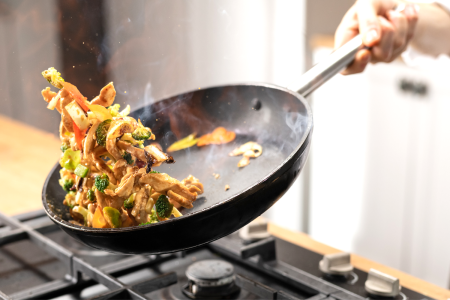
(101, 132)
(91, 195)
(101, 182)
(70, 159)
(128, 158)
(112, 216)
(81, 171)
(82, 211)
(53, 77)
(141, 133)
(64, 147)
(153, 171)
(153, 219)
(129, 203)
(70, 200)
(66, 184)
(163, 207)
(187, 142)
(114, 110)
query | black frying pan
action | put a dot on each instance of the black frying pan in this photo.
(277, 118)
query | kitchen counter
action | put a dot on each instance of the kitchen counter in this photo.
(24, 167)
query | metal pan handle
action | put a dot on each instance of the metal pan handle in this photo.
(333, 64)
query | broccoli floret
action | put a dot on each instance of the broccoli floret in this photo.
(141, 133)
(152, 217)
(153, 171)
(66, 184)
(129, 203)
(101, 132)
(101, 182)
(91, 195)
(64, 147)
(54, 78)
(163, 207)
(114, 110)
(69, 199)
(128, 158)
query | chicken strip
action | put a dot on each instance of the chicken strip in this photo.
(106, 97)
(162, 183)
(89, 142)
(140, 202)
(101, 165)
(120, 168)
(193, 184)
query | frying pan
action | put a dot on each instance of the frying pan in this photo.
(277, 118)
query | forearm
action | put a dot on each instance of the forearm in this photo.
(432, 34)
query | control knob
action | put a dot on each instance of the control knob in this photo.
(336, 264)
(254, 231)
(380, 284)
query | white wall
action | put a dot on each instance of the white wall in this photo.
(380, 168)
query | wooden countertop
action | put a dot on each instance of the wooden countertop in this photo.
(24, 167)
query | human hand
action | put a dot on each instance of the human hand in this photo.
(385, 31)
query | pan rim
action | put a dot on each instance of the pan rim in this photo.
(96, 231)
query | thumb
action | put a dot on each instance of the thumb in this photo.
(369, 26)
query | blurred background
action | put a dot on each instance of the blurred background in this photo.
(376, 182)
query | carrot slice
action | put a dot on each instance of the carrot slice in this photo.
(75, 93)
(79, 135)
(99, 220)
(219, 136)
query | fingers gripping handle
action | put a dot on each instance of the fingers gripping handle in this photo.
(333, 64)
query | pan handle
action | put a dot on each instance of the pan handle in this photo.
(324, 70)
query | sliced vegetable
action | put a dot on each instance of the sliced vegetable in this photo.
(141, 134)
(64, 147)
(70, 159)
(112, 216)
(66, 184)
(128, 158)
(77, 114)
(99, 220)
(101, 182)
(53, 77)
(79, 135)
(70, 200)
(184, 143)
(82, 211)
(219, 136)
(102, 131)
(75, 93)
(114, 110)
(128, 138)
(175, 212)
(129, 203)
(100, 112)
(81, 171)
(91, 195)
(163, 207)
(52, 104)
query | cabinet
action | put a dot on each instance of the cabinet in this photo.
(381, 167)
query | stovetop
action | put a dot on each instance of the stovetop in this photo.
(38, 260)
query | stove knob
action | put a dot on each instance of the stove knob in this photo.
(336, 264)
(380, 284)
(254, 231)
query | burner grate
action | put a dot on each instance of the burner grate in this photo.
(33, 228)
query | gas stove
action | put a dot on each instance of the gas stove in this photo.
(38, 260)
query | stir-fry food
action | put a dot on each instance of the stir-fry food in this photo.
(107, 171)
(248, 150)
